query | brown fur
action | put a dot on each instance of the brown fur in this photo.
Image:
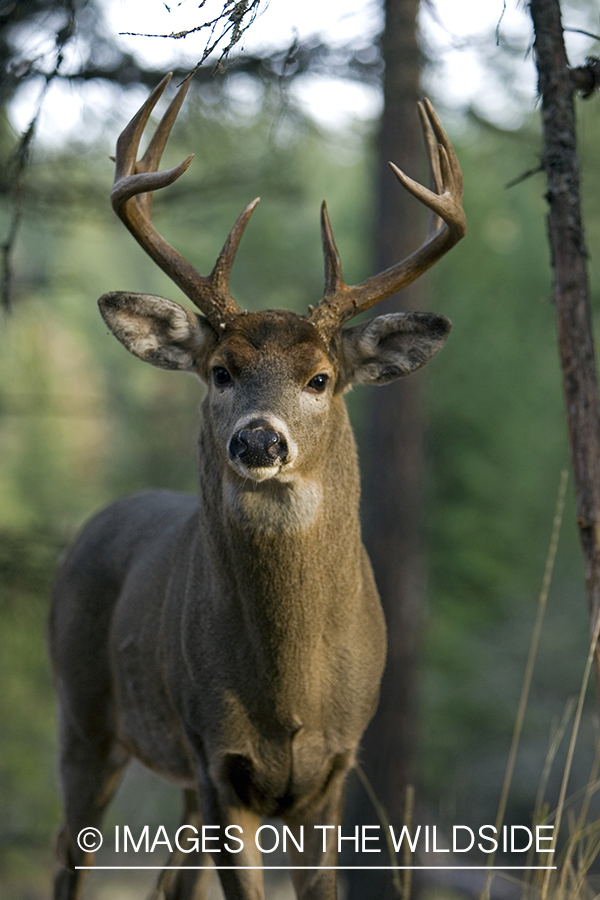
(233, 642)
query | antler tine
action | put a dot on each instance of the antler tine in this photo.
(445, 141)
(141, 185)
(340, 301)
(432, 147)
(150, 161)
(128, 141)
(433, 221)
(131, 197)
(429, 198)
(222, 270)
(333, 267)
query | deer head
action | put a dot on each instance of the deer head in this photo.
(273, 375)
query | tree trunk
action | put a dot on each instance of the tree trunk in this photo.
(392, 505)
(394, 434)
(570, 291)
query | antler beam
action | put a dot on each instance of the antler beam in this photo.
(131, 198)
(341, 301)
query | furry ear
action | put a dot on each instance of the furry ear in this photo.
(388, 347)
(159, 331)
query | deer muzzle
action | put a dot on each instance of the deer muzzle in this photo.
(258, 447)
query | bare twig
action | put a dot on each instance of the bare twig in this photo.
(20, 160)
(235, 18)
(500, 23)
(524, 176)
(582, 31)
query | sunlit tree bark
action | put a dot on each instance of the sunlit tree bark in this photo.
(557, 83)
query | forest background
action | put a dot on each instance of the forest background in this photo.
(82, 423)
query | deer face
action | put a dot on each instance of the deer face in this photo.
(270, 386)
(271, 378)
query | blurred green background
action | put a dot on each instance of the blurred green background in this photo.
(82, 422)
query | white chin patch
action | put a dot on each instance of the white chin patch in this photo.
(255, 473)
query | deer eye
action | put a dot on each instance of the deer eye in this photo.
(221, 376)
(319, 382)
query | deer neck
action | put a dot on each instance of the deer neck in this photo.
(286, 590)
(293, 548)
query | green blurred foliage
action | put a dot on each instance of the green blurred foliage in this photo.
(496, 445)
(28, 797)
(82, 422)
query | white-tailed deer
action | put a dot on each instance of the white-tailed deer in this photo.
(234, 642)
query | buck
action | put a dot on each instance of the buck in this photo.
(234, 641)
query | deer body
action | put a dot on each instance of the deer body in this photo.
(234, 642)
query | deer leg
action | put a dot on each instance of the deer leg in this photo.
(241, 883)
(90, 772)
(238, 853)
(186, 884)
(317, 883)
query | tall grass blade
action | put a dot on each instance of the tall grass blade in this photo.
(571, 751)
(533, 648)
(383, 818)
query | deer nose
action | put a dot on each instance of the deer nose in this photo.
(258, 447)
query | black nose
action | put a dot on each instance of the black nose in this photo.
(258, 447)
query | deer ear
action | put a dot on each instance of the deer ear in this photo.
(159, 331)
(388, 347)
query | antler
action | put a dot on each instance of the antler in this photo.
(131, 197)
(341, 301)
